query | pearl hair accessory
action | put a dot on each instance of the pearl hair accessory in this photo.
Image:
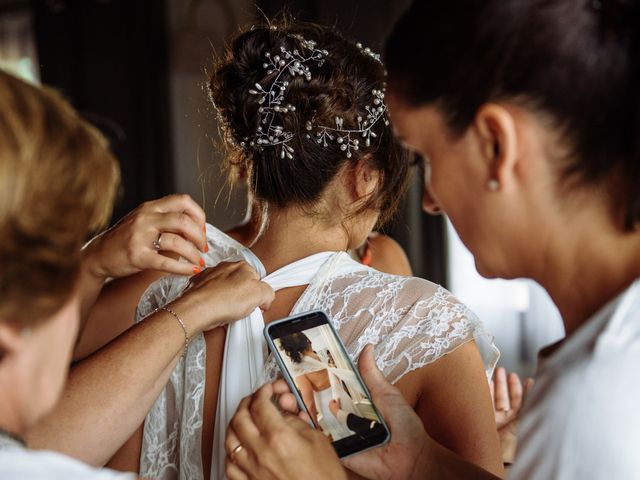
(270, 133)
(365, 127)
(368, 51)
(271, 99)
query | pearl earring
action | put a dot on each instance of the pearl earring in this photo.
(493, 185)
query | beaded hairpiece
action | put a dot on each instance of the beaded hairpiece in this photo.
(272, 101)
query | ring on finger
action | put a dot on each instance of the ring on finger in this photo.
(157, 243)
(235, 451)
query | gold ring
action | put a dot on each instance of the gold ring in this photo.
(235, 451)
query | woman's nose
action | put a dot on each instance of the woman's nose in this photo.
(429, 204)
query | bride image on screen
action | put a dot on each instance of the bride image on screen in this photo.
(321, 383)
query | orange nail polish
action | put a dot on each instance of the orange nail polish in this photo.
(196, 270)
(202, 262)
(206, 248)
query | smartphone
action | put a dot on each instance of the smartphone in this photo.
(325, 382)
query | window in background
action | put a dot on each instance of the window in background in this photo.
(17, 45)
(519, 313)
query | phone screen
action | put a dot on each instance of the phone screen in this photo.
(323, 378)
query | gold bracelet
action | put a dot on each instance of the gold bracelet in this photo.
(184, 328)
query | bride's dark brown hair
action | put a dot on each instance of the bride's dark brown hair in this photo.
(341, 87)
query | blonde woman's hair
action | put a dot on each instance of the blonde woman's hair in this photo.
(57, 184)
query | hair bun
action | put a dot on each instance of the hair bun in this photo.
(292, 99)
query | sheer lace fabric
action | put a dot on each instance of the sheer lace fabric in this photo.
(411, 322)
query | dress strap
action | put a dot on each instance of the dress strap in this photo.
(245, 348)
(298, 273)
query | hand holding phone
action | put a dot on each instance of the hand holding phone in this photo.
(325, 382)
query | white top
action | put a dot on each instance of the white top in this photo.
(411, 322)
(582, 418)
(17, 463)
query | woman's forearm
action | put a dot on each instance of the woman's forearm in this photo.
(90, 288)
(113, 312)
(110, 392)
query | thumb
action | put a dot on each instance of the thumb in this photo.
(268, 295)
(375, 380)
(528, 385)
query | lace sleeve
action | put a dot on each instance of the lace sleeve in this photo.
(431, 328)
(411, 322)
(171, 440)
(160, 293)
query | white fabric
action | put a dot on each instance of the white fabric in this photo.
(245, 349)
(21, 464)
(328, 422)
(581, 419)
(411, 322)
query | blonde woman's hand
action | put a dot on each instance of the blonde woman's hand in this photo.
(508, 393)
(151, 237)
(221, 295)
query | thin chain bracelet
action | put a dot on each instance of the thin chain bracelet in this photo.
(184, 328)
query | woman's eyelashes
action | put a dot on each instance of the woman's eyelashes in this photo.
(422, 163)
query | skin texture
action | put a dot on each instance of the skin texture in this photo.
(31, 373)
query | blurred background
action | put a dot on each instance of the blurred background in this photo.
(137, 69)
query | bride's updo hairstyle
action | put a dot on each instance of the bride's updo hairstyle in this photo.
(295, 345)
(575, 61)
(340, 89)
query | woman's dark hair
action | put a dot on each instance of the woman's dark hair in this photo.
(295, 345)
(341, 87)
(576, 60)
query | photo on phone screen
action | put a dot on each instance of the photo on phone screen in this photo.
(325, 380)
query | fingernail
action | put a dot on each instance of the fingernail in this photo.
(202, 262)
(196, 270)
(206, 248)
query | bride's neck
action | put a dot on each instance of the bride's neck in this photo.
(292, 234)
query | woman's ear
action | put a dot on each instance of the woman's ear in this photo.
(495, 127)
(365, 179)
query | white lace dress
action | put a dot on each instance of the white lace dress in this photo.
(411, 322)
